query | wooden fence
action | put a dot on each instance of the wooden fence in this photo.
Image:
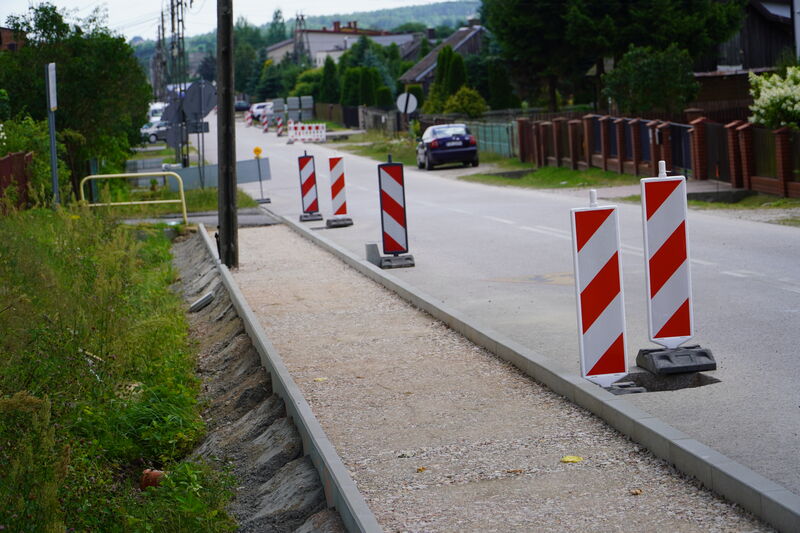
(15, 175)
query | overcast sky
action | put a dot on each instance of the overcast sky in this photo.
(140, 17)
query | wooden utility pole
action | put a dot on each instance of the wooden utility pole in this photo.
(226, 137)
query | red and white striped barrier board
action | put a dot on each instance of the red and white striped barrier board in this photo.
(666, 250)
(308, 184)
(248, 119)
(393, 208)
(598, 287)
(264, 123)
(279, 127)
(307, 132)
(338, 199)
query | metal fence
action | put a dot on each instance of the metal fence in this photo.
(495, 138)
(681, 148)
(764, 153)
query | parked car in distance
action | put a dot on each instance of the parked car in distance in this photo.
(241, 105)
(447, 143)
(155, 131)
(261, 107)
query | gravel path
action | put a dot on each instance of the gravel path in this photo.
(440, 435)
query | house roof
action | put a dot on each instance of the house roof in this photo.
(428, 63)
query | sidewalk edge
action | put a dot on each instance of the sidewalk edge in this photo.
(767, 500)
(340, 489)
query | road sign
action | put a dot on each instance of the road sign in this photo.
(598, 287)
(308, 188)
(406, 103)
(51, 84)
(667, 260)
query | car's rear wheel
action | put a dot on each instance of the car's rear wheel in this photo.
(475, 162)
(428, 162)
(153, 138)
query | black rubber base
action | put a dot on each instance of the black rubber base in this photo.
(263, 201)
(677, 360)
(309, 217)
(342, 222)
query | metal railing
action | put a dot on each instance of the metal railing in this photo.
(181, 200)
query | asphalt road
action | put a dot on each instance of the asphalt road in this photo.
(502, 255)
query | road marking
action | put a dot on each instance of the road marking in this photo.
(545, 232)
(555, 230)
(501, 220)
(454, 210)
(734, 274)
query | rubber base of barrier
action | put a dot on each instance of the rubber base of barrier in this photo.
(676, 360)
(309, 217)
(388, 261)
(263, 201)
(341, 222)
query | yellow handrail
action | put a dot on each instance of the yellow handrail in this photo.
(182, 200)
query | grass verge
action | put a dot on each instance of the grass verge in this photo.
(756, 201)
(197, 201)
(555, 178)
(378, 147)
(97, 382)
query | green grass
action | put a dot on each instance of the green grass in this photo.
(556, 177)
(97, 381)
(164, 152)
(197, 201)
(402, 149)
(756, 201)
(789, 222)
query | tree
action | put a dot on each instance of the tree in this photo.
(244, 64)
(276, 31)
(531, 36)
(437, 95)
(501, 94)
(776, 99)
(424, 47)
(350, 86)
(366, 86)
(456, 75)
(308, 83)
(647, 80)
(383, 97)
(410, 27)
(269, 82)
(103, 93)
(208, 68)
(329, 86)
(466, 101)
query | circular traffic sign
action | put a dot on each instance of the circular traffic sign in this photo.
(406, 103)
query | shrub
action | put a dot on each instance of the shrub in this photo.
(467, 101)
(647, 80)
(776, 99)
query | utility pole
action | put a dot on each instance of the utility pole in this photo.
(226, 137)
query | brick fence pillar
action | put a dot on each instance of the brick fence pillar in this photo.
(745, 132)
(523, 133)
(619, 126)
(573, 127)
(699, 148)
(636, 144)
(537, 143)
(588, 139)
(666, 145)
(558, 126)
(783, 156)
(605, 141)
(734, 154)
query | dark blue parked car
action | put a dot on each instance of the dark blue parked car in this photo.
(447, 143)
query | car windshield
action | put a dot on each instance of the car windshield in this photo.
(450, 130)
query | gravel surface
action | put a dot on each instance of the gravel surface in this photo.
(439, 434)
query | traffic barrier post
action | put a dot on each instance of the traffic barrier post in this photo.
(599, 293)
(668, 278)
(308, 188)
(338, 198)
(394, 225)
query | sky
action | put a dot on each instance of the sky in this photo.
(140, 17)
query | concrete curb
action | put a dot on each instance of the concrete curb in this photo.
(774, 504)
(340, 490)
